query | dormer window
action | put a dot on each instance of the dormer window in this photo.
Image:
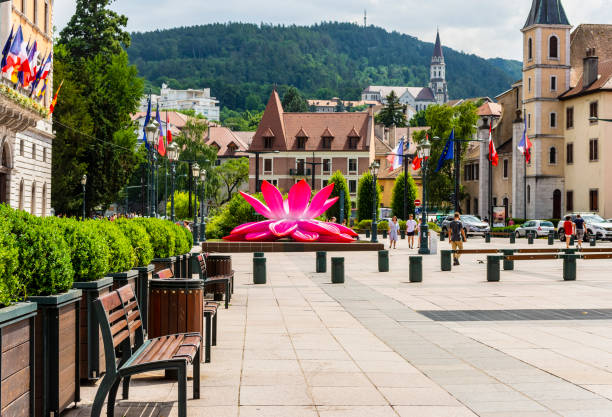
(268, 142)
(231, 148)
(353, 139)
(327, 138)
(301, 142)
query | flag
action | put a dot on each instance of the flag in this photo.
(525, 145)
(448, 152)
(45, 68)
(168, 132)
(38, 75)
(27, 68)
(146, 122)
(493, 157)
(54, 102)
(16, 53)
(395, 158)
(7, 47)
(161, 148)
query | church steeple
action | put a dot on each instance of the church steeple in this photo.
(546, 12)
(437, 73)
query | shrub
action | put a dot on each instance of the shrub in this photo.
(397, 198)
(365, 197)
(89, 252)
(188, 237)
(182, 243)
(181, 205)
(402, 224)
(161, 237)
(433, 227)
(340, 186)
(384, 225)
(139, 239)
(236, 212)
(365, 224)
(122, 256)
(11, 290)
(506, 228)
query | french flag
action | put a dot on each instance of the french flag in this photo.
(396, 158)
(525, 145)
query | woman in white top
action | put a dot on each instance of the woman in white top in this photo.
(411, 225)
(393, 232)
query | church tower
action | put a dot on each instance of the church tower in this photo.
(437, 73)
(546, 74)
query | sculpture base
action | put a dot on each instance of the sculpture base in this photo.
(288, 246)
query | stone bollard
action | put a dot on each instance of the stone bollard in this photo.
(508, 264)
(337, 272)
(259, 270)
(487, 237)
(551, 238)
(493, 268)
(367, 234)
(383, 261)
(384, 234)
(569, 267)
(445, 260)
(321, 261)
(416, 268)
(442, 235)
(512, 238)
(530, 238)
(403, 234)
(258, 254)
(592, 241)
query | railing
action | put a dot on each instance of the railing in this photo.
(300, 171)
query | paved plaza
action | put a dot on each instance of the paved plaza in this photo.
(531, 345)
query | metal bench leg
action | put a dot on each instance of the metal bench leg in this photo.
(207, 339)
(103, 389)
(112, 396)
(126, 387)
(182, 390)
(227, 294)
(196, 374)
(214, 330)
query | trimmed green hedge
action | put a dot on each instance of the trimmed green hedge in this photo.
(139, 239)
(10, 287)
(122, 257)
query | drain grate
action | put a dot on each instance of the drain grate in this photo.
(518, 315)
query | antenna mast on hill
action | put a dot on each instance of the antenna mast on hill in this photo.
(365, 18)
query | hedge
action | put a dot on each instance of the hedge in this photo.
(10, 287)
(139, 239)
(122, 257)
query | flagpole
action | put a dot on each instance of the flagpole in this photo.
(457, 169)
(490, 199)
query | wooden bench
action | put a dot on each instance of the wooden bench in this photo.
(218, 285)
(128, 353)
(164, 274)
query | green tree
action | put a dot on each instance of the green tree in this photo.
(397, 197)
(192, 142)
(232, 174)
(181, 205)
(419, 119)
(340, 186)
(294, 102)
(253, 102)
(365, 197)
(393, 113)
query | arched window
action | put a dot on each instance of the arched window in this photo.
(34, 151)
(553, 47)
(33, 200)
(552, 155)
(530, 49)
(528, 194)
(21, 195)
(44, 154)
(43, 209)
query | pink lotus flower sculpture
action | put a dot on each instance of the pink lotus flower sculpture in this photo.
(292, 217)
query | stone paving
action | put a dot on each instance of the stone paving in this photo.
(300, 346)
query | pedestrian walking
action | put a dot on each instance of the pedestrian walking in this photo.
(456, 237)
(568, 229)
(579, 226)
(393, 232)
(411, 226)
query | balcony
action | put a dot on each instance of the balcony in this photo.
(17, 111)
(300, 172)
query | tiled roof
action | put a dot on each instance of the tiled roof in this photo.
(603, 82)
(598, 37)
(222, 137)
(425, 94)
(301, 133)
(346, 103)
(327, 133)
(490, 109)
(546, 12)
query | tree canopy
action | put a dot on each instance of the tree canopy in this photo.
(397, 196)
(393, 113)
(294, 102)
(340, 186)
(365, 197)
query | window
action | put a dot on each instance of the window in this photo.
(46, 23)
(529, 84)
(476, 172)
(593, 111)
(593, 156)
(34, 151)
(494, 201)
(23, 6)
(553, 47)
(467, 206)
(324, 183)
(467, 171)
(529, 121)
(352, 186)
(569, 153)
(594, 200)
(268, 165)
(553, 120)
(552, 155)
(21, 195)
(35, 11)
(299, 164)
(505, 169)
(327, 140)
(353, 140)
(44, 154)
(301, 143)
(352, 165)
(21, 147)
(569, 117)
(33, 199)
(529, 49)
(529, 194)
(327, 165)
(268, 142)
(569, 201)
(553, 83)
(43, 208)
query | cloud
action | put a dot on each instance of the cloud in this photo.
(489, 28)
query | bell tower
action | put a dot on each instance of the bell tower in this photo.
(437, 73)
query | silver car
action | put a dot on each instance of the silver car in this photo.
(539, 227)
(471, 224)
(595, 225)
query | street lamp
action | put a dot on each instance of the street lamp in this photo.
(195, 172)
(594, 119)
(202, 222)
(173, 154)
(374, 171)
(257, 153)
(424, 149)
(151, 129)
(84, 183)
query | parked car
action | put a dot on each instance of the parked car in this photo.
(539, 227)
(471, 224)
(595, 225)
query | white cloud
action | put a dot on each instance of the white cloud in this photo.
(489, 28)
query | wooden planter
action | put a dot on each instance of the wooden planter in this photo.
(145, 273)
(57, 382)
(17, 364)
(163, 263)
(92, 359)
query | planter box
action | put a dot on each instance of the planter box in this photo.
(145, 273)
(17, 364)
(57, 382)
(163, 263)
(124, 278)
(92, 359)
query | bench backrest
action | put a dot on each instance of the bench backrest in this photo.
(164, 274)
(201, 259)
(120, 322)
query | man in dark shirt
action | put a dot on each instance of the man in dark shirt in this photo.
(579, 222)
(456, 237)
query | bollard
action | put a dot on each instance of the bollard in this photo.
(416, 268)
(530, 238)
(569, 267)
(487, 237)
(445, 260)
(592, 241)
(258, 254)
(259, 270)
(569, 251)
(337, 272)
(551, 238)
(442, 235)
(383, 261)
(384, 233)
(321, 261)
(512, 238)
(508, 265)
(403, 234)
(367, 234)
(493, 268)
(572, 241)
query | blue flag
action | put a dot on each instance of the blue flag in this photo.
(161, 127)
(146, 122)
(6, 48)
(448, 152)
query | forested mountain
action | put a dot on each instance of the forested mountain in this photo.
(241, 62)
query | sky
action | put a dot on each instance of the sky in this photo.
(488, 28)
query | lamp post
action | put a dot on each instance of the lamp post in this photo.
(594, 119)
(84, 183)
(195, 172)
(202, 222)
(424, 149)
(407, 159)
(173, 154)
(257, 153)
(151, 129)
(374, 171)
